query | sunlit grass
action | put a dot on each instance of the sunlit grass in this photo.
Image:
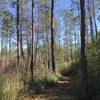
(9, 86)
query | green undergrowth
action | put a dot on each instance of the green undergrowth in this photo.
(36, 85)
(93, 58)
(9, 86)
(94, 69)
(39, 84)
(72, 69)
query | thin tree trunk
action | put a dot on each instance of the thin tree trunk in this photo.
(21, 36)
(94, 15)
(74, 35)
(91, 23)
(1, 48)
(47, 37)
(10, 47)
(32, 42)
(18, 33)
(78, 8)
(52, 36)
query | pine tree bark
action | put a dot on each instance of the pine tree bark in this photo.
(83, 51)
(18, 33)
(52, 36)
(47, 37)
(32, 42)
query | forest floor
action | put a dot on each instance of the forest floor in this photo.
(64, 89)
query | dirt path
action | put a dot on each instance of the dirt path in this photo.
(64, 90)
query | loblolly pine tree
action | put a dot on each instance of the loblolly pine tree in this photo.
(52, 36)
(32, 40)
(17, 13)
(84, 70)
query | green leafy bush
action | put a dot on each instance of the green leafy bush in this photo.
(94, 68)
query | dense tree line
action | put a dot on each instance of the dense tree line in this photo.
(33, 33)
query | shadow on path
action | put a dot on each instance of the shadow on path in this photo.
(64, 89)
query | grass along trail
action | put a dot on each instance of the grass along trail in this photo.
(64, 89)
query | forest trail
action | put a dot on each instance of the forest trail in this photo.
(64, 89)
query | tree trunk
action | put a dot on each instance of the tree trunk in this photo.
(74, 36)
(83, 51)
(52, 36)
(18, 33)
(32, 42)
(91, 22)
(47, 37)
(1, 49)
(10, 48)
(96, 30)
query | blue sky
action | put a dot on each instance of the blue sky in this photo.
(64, 3)
(61, 4)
